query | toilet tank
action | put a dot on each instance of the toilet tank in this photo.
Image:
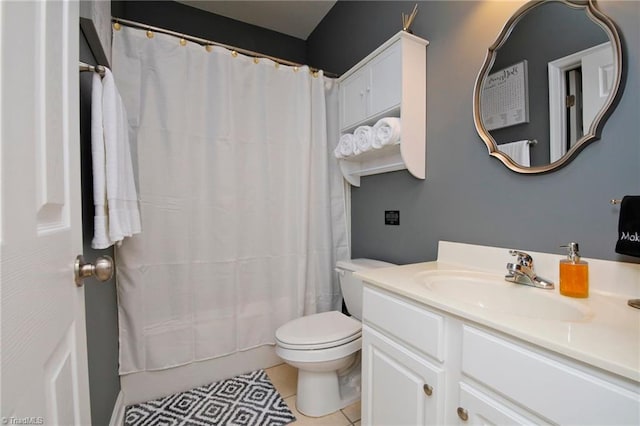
(352, 287)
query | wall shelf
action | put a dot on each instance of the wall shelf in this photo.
(389, 82)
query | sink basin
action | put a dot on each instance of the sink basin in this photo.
(493, 293)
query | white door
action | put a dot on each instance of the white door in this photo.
(44, 359)
(598, 74)
(398, 387)
(574, 107)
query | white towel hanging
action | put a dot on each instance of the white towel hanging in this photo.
(115, 197)
(100, 220)
(122, 198)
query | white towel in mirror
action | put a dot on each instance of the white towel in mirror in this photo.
(518, 151)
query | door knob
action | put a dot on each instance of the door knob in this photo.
(102, 269)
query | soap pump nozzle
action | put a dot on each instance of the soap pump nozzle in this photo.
(573, 251)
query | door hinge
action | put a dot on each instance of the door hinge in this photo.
(570, 101)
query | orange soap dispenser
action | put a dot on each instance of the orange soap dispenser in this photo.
(574, 273)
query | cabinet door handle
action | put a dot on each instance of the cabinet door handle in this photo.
(463, 414)
(427, 389)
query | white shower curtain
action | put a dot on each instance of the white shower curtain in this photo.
(242, 208)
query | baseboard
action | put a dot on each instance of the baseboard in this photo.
(117, 416)
(148, 385)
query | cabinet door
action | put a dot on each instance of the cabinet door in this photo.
(396, 384)
(353, 98)
(561, 391)
(477, 408)
(385, 90)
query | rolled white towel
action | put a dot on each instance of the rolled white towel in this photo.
(364, 138)
(346, 146)
(387, 132)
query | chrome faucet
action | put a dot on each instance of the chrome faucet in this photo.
(521, 272)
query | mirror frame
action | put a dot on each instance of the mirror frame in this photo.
(595, 129)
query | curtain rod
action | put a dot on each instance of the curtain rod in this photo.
(205, 42)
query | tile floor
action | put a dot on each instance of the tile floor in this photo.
(285, 379)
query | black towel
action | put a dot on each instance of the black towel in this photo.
(629, 226)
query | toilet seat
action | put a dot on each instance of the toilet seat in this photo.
(319, 331)
(325, 356)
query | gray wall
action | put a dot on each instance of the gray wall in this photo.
(100, 298)
(469, 196)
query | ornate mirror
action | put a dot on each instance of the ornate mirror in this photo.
(548, 84)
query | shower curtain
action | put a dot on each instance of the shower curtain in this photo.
(242, 209)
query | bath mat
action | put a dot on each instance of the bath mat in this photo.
(248, 399)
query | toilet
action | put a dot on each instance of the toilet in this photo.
(325, 347)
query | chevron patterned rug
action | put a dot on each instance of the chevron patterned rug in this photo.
(248, 399)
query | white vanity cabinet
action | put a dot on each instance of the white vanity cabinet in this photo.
(553, 387)
(402, 387)
(401, 383)
(390, 82)
(425, 366)
(476, 407)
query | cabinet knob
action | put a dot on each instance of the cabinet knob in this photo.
(463, 414)
(427, 389)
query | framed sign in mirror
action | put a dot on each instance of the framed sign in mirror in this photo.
(505, 97)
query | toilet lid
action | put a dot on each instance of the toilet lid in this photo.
(324, 330)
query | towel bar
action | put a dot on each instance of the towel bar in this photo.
(100, 69)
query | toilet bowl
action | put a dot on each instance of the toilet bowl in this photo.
(325, 348)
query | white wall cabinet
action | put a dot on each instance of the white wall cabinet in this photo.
(390, 82)
(374, 90)
(476, 375)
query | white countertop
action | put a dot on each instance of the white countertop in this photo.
(607, 337)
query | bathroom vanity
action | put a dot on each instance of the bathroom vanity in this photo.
(450, 342)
